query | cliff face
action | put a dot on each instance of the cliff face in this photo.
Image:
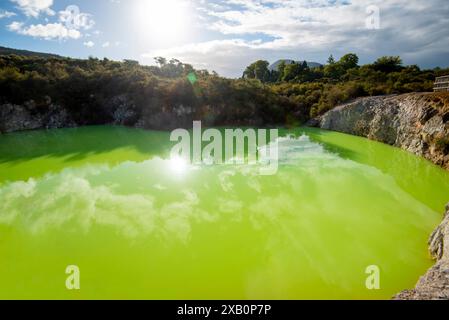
(119, 110)
(122, 110)
(416, 122)
(29, 117)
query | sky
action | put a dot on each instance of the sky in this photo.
(227, 35)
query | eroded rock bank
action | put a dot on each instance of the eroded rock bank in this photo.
(161, 106)
(417, 122)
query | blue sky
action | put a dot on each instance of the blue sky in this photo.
(227, 35)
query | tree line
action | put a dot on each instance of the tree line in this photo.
(157, 95)
(290, 95)
(317, 90)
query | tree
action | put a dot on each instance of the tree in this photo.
(349, 61)
(249, 72)
(258, 70)
(304, 66)
(388, 64)
(336, 70)
(333, 71)
(161, 61)
(281, 70)
(261, 70)
(131, 63)
(291, 71)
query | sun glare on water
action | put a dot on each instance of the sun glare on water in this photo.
(163, 21)
(178, 165)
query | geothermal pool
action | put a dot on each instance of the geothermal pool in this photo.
(110, 201)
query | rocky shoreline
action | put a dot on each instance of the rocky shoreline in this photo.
(418, 123)
(434, 285)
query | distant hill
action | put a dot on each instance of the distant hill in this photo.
(7, 51)
(275, 65)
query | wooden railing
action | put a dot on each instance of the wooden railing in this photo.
(441, 84)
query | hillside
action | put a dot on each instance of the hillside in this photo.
(64, 92)
(58, 92)
(25, 53)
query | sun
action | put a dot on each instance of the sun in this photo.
(163, 21)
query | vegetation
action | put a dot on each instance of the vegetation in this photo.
(317, 90)
(294, 93)
(8, 51)
(87, 89)
(442, 144)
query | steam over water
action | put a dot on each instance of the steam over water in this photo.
(110, 201)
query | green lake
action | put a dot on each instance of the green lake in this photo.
(110, 201)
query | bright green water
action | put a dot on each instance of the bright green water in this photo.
(109, 201)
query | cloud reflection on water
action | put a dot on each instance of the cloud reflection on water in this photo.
(149, 198)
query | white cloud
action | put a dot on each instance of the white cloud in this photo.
(68, 26)
(312, 30)
(15, 26)
(89, 44)
(48, 31)
(109, 44)
(34, 7)
(226, 56)
(6, 14)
